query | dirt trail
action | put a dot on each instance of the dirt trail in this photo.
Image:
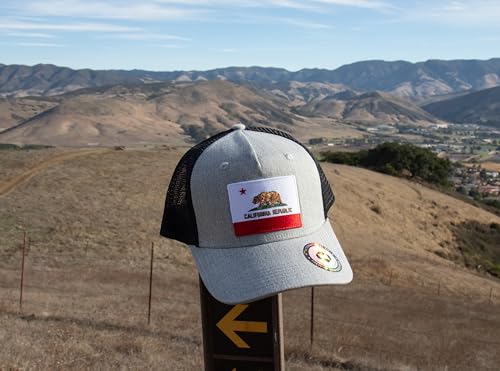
(12, 183)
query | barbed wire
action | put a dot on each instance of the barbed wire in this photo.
(394, 282)
(366, 325)
(359, 323)
(321, 298)
(444, 289)
(377, 351)
(92, 293)
(351, 322)
(371, 350)
(444, 292)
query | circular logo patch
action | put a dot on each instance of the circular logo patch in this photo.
(322, 257)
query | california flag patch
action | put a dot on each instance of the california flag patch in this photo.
(264, 205)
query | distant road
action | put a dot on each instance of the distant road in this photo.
(14, 182)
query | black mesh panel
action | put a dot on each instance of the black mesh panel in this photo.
(179, 222)
(328, 196)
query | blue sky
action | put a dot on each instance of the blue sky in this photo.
(167, 35)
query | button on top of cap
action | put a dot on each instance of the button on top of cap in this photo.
(238, 127)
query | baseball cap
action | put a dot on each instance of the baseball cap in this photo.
(252, 204)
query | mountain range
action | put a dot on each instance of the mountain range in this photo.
(401, 78)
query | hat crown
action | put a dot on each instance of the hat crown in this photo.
(243, 156)
(259, 159)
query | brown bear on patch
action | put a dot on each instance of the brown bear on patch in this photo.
(267, 199)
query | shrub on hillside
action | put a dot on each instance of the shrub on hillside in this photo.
(346, 158)
(492, 202)
(398, 160)
(9, 146)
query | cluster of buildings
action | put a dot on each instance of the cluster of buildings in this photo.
(476, 181)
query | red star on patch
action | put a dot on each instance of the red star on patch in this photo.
(243, 191)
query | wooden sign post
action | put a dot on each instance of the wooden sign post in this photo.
(242, 337)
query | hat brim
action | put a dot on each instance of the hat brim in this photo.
(245, 274)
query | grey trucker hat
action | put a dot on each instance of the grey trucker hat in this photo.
(252, 205)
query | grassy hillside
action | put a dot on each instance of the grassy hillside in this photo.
(415, 301)
(480, 107)
(369, 108)
(16, 111)
(160, 113)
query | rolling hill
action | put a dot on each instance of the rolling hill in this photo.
(173, 113)
(369, 108)
(150, 113)
(478, 107)
(15, 111)
(300, 93)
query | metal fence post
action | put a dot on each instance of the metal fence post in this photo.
(22, 275)
(150, 282)
(312, 317)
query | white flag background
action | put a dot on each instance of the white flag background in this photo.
(242, 194)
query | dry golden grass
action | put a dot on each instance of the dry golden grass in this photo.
(147, 114)
(156, 114)
(491, 166)
(15, 111)
(91, 220)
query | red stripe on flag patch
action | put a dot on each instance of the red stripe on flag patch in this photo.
(268, 225)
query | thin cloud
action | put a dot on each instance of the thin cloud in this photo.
(173, 9)
(241, 3)
(150, 36)
(303, 23)
(76, 27)
(40, 45)
(293, 4)
(461, 13)
(297, 22)
(30, 34)
(304, 5)
(170, 46)
(108, 10)
(367, 4)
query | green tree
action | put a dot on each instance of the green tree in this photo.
(398, 159)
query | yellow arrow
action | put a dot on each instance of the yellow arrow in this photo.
(229, 326)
